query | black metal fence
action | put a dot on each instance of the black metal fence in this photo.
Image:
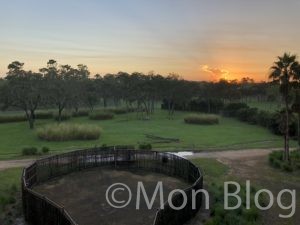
(39, 210)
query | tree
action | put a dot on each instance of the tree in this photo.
(15, 69)
(58, 90)
(23, 90)
(284, 71)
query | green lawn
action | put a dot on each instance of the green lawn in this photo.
(128, 130)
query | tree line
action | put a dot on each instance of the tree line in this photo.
(64, 87)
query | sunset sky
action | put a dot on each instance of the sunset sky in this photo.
(198, 39)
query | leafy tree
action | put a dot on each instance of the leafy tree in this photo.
(58, 90)
(23, 90)
(284, 71)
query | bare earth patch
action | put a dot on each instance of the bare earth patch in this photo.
(83, 195)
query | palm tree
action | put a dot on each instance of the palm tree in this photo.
(284, 71)
(296, 109)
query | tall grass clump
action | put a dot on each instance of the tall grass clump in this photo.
(67, 132)
(101, 115)
(202, 119)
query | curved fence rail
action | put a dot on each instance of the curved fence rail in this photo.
(39, 210)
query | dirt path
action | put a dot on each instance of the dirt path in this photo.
(234, 154)
(7, 164)
(220, 155)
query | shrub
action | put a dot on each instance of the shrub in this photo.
(12, 118)
(119, 110)
(206, 105)
(248, 115)
(81, 112)
(43, 115)
(276, 164)
(66, 132)
(29, 151)
(45, 150)
(64, 116)
(201, 119)
(287, 167)
(231, 109)
(276, 160)
(145, 146)
(264, 118)
(251, 214)
(101, 115)
(277, 155)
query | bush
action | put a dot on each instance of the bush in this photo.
(43, 115)
(206, 105)
(248, 115)
(101, 115)
(264, 118)
(12, 118)
(287, 167)
(64, 116)
(119, 110)
(277, 155)
(66, 132)
(81, 112)
(276, 160)
(145, 146)
(29, 151)
(277, 164)
(231, 109)
(202, 119)
(45, 150)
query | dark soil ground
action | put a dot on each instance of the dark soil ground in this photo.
(83, 196)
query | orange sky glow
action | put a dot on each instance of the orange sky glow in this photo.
(197, 39)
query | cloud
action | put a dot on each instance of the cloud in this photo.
(216, 73)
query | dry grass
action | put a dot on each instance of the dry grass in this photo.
(67, 132)
(202, 119)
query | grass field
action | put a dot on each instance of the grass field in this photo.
(128, 130)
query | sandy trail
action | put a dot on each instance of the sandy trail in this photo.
(220, 155)
(232, 154)
(7, 164)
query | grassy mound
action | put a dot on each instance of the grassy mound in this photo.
(67, 132)
(202, 119)
(101, 115)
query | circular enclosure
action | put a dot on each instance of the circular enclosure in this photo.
(70, 188)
